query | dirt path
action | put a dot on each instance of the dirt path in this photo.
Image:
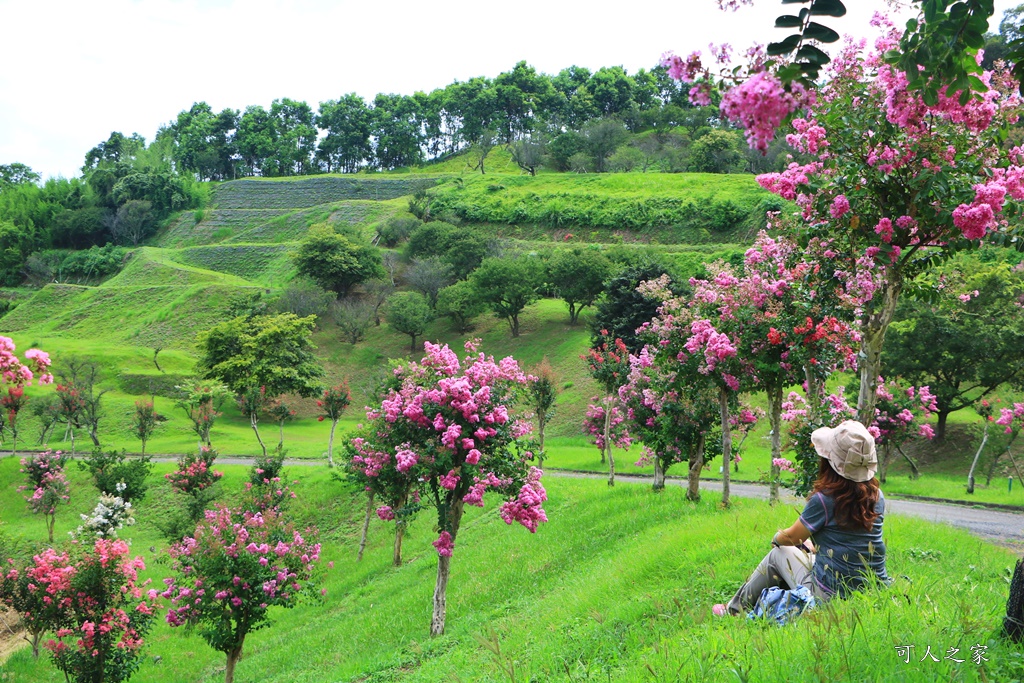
(997, 526)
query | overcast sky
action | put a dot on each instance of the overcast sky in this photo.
(75, 71)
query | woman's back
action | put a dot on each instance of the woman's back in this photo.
(847, 554)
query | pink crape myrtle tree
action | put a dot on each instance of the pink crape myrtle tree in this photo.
(605, 426)
(901, 415)
(899, 180)
(1012, 420)
(96, 607)
(608, 363)
(233, 569)
(672, 410)
(443, 437)
(47, 484)
(786, 324)
(16, 375)
(898, 183)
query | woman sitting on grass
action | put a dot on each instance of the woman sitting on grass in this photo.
(843, 517)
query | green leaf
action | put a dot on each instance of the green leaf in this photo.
(828, 8)
(813, 55)
(784, 47)
(930, 96)
(788, 21)
(821, 33)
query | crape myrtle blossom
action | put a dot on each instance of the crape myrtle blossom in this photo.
(446, 422)
(896, 180)
(444, 436)
(236, 566)
(94, 605)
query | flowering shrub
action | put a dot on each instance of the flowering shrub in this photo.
(899, 416)
(111, 514)
(332, 404)
(144, 422)
(672, 414)
(48, 484)
(195, 478)
(96, 608)
(443, 437)
(201, 401)
(17, 375)
(233, 569)
(618, 428)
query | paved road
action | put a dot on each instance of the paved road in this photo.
(1006, 528)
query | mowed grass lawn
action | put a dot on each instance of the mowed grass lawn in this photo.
(617, 586)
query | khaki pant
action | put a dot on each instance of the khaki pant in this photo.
(785, 567)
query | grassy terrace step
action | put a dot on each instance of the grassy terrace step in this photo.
(271, 225)
(267, 264)
(290, 193)
(670, 208)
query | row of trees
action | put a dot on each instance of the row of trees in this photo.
(348, 134)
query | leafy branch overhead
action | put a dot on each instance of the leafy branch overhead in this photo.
(808, 58)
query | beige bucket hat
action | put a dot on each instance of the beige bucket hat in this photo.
(849, 448)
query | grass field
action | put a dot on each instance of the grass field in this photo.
(616, 587)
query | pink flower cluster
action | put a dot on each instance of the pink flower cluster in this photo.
(236, 565)
(527, 508)
(593, 424)
(760, 105)
(98, 606)
(783, 464)
(1011, 418)
(446, 424)
(47, 482)
(20, 374)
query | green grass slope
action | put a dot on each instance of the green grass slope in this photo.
(617, 586)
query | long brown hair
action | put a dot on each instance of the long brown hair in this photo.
(854, 500)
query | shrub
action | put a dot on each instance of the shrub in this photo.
(226, 594)
(102, 616)
(111, 469)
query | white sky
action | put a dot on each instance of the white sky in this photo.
(77, 70)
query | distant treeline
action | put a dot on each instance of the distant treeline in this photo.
(580, 121)
(576, 120)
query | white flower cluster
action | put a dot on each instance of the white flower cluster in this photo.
(110, 514)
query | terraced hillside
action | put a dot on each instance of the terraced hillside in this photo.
(142, 323)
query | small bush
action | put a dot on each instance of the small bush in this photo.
(112, 468)
(397, 230)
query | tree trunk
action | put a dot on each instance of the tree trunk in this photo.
(723, 404)
(143, 448)
(940, 427)
(914, 471)
(659, 475)
(366, 526)
(51, 521)
(396, 558)
(607, 433)
(443, 570)
(229, 670)
(34, 641)
(995, 461)
(696, 466)
(412, 347)
(514, 322)
(883, 466)
(280, 435)
(775, 420)
(540, 438)
(254, 421)
(330, 445)
(92, 435)
(974, 464)
(1016, 469)
(872, 329)
(608, 441)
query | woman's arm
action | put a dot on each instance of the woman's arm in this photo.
(794, 535)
